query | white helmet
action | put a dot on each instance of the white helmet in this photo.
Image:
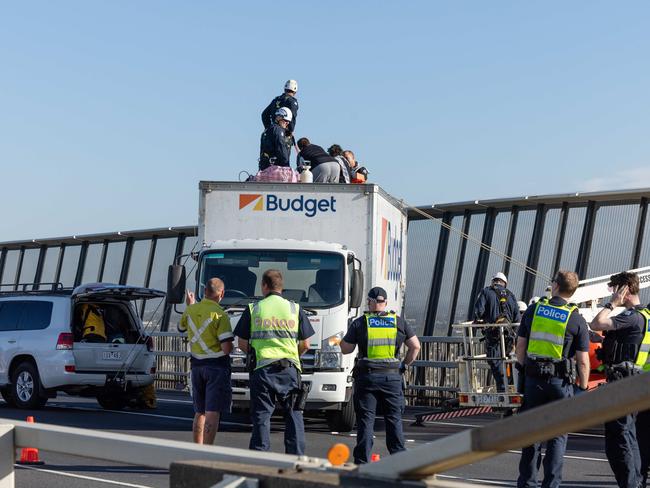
(284, 113)
(500, 276)
(522, 306)
(291, 85)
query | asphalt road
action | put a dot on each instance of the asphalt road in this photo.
(585, 463)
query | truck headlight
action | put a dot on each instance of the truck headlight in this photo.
(329, 356)
(238, 358)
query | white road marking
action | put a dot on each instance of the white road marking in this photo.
(579, 458)
(169, 400)
(143, 414)
(89, 478)
(477, 480)
(580, 434)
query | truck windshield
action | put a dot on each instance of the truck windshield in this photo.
(312, 279)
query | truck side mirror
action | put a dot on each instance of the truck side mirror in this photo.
(176, 284)
(356, 294)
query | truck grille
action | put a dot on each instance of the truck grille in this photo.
(238, 362)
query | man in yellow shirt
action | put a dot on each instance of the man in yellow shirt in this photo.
(210, 338)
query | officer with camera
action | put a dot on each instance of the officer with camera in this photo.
(624, 353)
(275, 332)
(497, 305)
(378, 371)
(551, 334)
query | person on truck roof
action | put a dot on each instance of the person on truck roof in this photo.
(358, 174)
(274, 149)
(496, 305)
(275, 332)
(286, 100)
(323, 166)
(210, 337)
(378, 372)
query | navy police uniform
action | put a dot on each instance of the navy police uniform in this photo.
(274, 144)
(542, 388)
(284, 100)
(276, 378)
(378, 381)
(496, 304)
(620, 348)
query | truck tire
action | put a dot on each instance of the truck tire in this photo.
(5, 391)
(26, 389)
(342, 420)
(111, 401)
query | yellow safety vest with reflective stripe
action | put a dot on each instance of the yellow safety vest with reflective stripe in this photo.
(207, 325)
(274, 330)
(548, 329)
(642, 357)
(382, 337)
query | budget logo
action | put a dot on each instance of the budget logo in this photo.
(552, 313)
(302, 204)
(247, 199)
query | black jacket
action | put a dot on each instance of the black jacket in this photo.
(284, 100)
(315, 155)
(273, 144)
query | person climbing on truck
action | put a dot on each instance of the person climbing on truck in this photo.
(286, 100)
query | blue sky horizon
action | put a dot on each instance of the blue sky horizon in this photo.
(113, 111)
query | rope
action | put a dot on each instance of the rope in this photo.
(482, 245)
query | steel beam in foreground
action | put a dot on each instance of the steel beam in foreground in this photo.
(539, 424)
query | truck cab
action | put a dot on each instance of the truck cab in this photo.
(318, 276)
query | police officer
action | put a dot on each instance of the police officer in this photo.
(377, 374)
(210, 338)
(93, 326)
(274, 147)
(496, 305)
(550, 335)
(625, 353)
(278, 332)
(287, 100)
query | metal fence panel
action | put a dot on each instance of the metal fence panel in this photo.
(421, 251)
(613, 239)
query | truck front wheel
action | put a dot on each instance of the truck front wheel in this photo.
(342, 420)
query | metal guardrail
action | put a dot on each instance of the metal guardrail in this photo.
(172, 360)
(431, 381)
(129, 449)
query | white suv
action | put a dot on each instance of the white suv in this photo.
(42, 350)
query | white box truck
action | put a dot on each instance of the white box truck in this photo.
(331, 242)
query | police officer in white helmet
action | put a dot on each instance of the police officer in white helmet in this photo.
(286, 100)
(274, 145)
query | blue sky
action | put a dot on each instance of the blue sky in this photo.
(114, 110)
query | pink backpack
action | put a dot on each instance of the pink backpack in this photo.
(277, 173)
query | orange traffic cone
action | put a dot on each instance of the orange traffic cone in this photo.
(29, 455)
(374, 457)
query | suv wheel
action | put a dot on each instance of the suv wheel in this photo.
(111, 401)
(26, 389)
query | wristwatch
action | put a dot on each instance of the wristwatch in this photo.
(609, 306)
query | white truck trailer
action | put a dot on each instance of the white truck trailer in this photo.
(331, 242)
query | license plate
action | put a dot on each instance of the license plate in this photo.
(112, 355)
(488, 399)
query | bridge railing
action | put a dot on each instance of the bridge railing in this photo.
(432, 380)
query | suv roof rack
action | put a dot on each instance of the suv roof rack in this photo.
(35, 288)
